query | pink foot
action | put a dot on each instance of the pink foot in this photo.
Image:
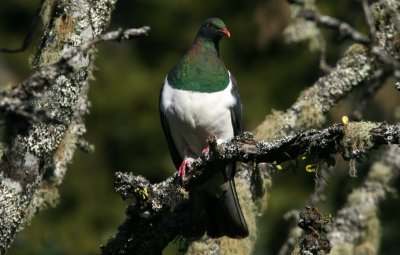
(206, 150)
(182, 168)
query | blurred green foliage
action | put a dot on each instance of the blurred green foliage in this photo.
(124, 123)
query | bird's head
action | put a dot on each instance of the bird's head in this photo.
(213, 29)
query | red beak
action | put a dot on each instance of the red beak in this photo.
(225, 32)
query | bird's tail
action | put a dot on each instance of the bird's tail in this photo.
(219, 216)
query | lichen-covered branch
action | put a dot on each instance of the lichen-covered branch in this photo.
(17, 102)
(35, 154)
(163, 204)
(356, 227)
(385, 53)
(344, 29)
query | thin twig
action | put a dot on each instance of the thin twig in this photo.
(28, 37)
(12, 102)
(345, 30)
(369, 19)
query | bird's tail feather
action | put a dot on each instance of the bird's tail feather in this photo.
(219, 216)
(225, 218)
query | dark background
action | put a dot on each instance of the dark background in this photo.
(124, 122)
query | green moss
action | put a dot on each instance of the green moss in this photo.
(342, 249)
(300, 30)
(371, 236)
(296, 250)
(47, 11)
(249, 210)
(380, 173)
(311, 112)
(357, 137)
(352, 168)
(356, 198)
(379, 14)
(63, 26)
(45, 197)
(272, 127)
(204, 246)
(355, 49)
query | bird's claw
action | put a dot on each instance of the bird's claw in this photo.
(182, 168)
(206, 150)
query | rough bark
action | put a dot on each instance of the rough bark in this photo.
(36, 152)
(159, 210)
(356, 228)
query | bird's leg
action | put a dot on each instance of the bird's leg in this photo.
(206, 150)
(182, 168)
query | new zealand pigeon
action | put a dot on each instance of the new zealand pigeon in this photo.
(200, 98)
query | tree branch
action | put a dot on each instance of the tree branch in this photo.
(344, 29)
(382, 52)
(35, 154)
(17, 100)
(356, 228)
(162, 205)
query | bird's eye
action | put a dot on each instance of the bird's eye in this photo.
(210, 25)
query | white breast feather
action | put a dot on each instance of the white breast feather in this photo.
(194, 116)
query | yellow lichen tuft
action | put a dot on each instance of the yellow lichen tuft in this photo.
(345, 119)
(312, 168)
(356, 140)
(355, 49)
(357, 137)
(141, 193)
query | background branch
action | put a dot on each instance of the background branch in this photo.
(35, 154)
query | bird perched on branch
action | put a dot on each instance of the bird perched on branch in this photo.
(200, 98)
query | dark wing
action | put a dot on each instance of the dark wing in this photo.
(237, 109)
(176, 158)
(237, 123)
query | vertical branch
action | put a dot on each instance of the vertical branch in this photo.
(36, 154)
(356, 228)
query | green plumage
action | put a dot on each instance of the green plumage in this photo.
(201, 68)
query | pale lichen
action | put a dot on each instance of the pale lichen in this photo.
(356, 228)
(273, 127)
(13, 201)
(300, 29)
(48, 146)
(311, 113)
(357, 138)
(251, 214)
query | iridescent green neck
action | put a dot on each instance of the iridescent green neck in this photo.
(201, 69)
